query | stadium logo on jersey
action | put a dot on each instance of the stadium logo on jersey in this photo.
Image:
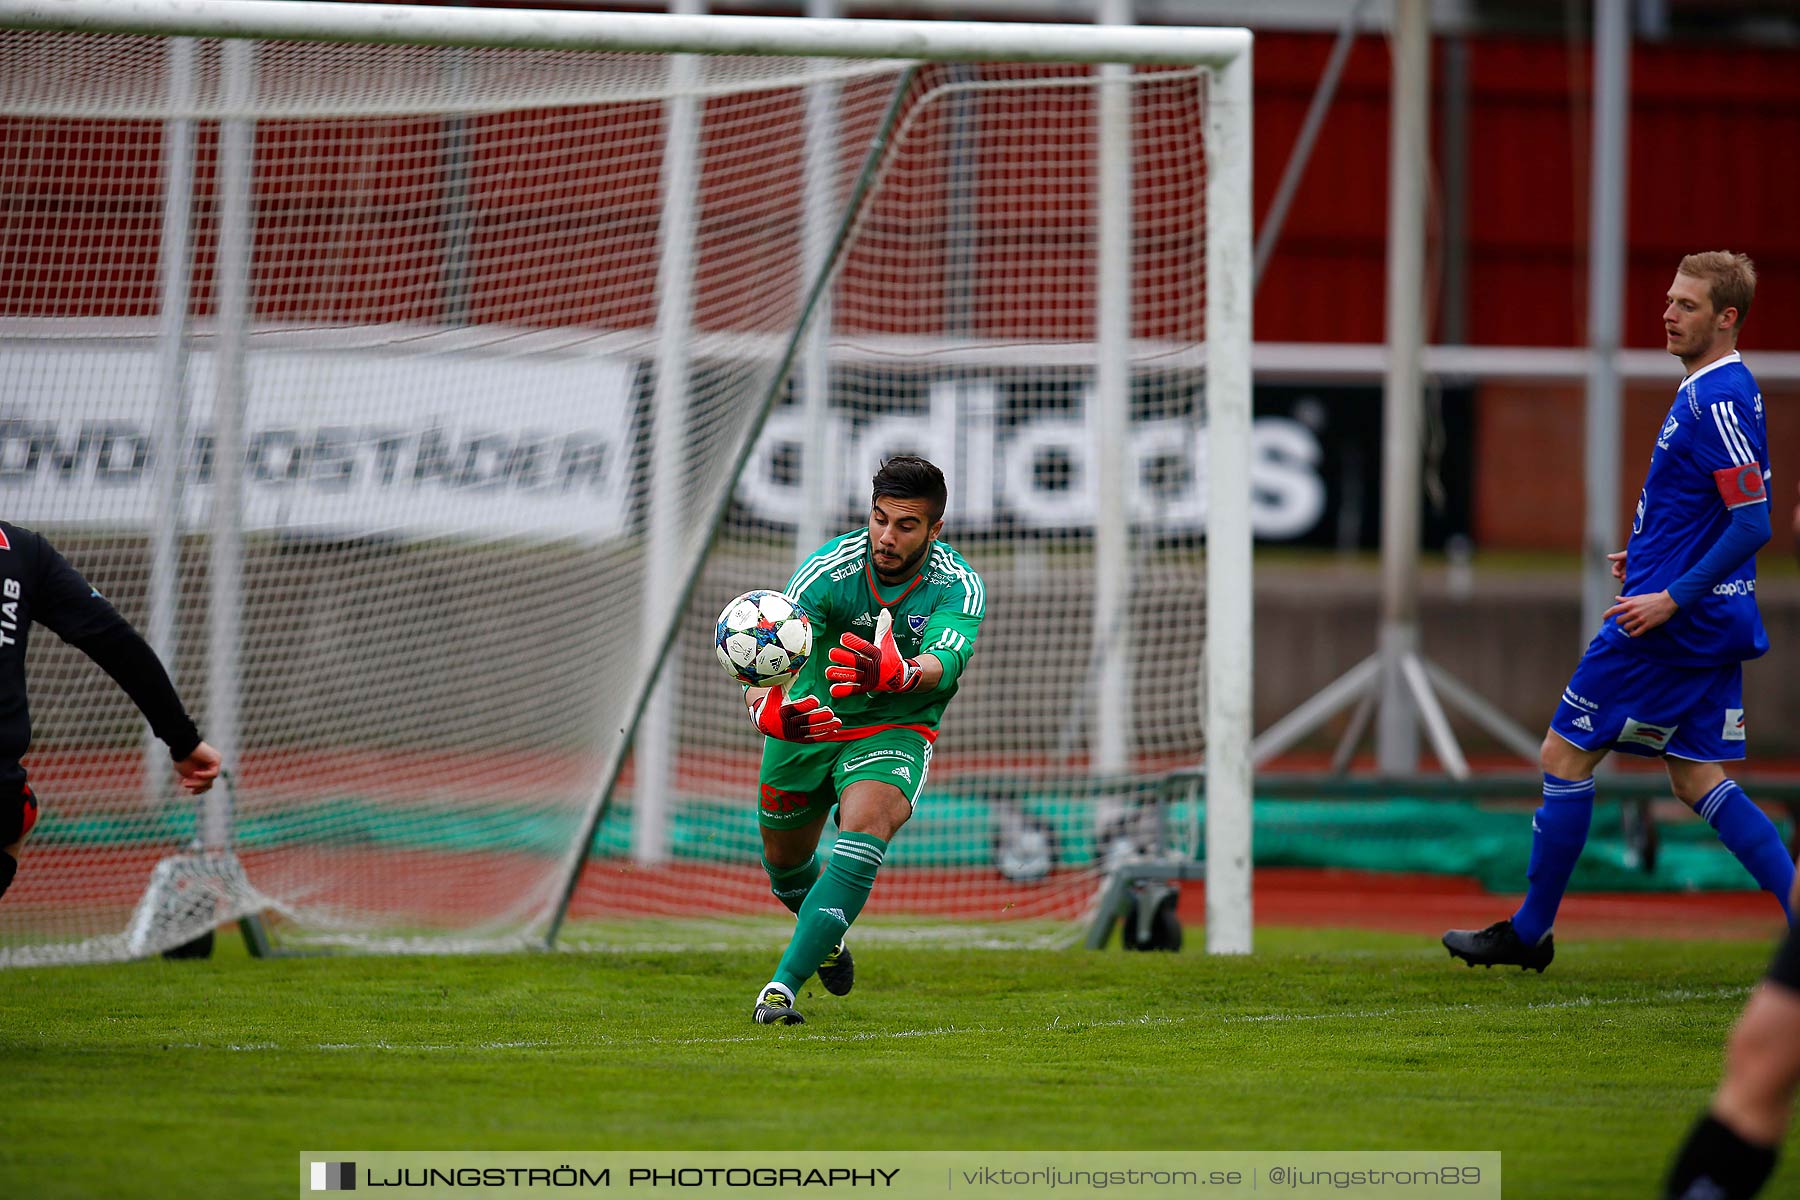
(1637, 733)
(846, 571)
(1583, 723)
(915, 622)
(1734, 725)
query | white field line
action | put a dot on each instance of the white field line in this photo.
(1667, 996)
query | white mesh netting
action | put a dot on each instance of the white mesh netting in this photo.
(470, 507)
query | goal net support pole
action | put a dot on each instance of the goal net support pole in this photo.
(1229, 663)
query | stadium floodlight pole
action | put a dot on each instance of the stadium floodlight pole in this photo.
(1397, 686)
(175, 271)
(1606, 280)
(1397, 743)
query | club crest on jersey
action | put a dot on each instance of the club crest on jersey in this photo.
(915, 622)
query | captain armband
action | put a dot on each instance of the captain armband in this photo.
(1741, 484)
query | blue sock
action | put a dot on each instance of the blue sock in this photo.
(1750, 835)
(1559, 830)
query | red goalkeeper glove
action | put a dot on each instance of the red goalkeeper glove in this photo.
(876, 666)
(804, 720)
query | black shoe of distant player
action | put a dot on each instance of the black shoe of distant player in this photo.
(838, 971)
(1499, 945)
(776, 1007)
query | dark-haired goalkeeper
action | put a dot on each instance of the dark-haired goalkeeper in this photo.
(899, 610)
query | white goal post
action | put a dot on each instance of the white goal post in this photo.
(538, 334)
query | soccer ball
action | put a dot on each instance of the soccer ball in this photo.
(763, 639)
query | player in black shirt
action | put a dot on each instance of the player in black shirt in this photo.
(38, 584)
(1730, 1152)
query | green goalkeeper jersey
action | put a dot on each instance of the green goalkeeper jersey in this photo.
(938, 612)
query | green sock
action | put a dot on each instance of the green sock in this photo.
(832, 905)
(790, 884)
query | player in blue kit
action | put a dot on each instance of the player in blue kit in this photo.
(1664, 676)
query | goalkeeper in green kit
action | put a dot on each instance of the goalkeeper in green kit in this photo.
(902, 609)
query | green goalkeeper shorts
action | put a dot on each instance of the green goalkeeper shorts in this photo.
(802, 781)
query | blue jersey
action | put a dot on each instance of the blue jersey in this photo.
(1711, 457)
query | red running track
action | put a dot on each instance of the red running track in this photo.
(448, 889)
(1430, 904)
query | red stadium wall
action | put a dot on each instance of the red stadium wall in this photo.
(1710, 164)
(1708, 169)
(1529, 445)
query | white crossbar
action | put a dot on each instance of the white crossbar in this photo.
(966, 41)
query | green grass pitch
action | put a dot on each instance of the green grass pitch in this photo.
(208, 1078)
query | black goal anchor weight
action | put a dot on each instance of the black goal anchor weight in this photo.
(1148, 921)
(1142, 899)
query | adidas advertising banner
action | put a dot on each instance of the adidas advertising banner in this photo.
(1018, 448)
(971, 1175)
(356, 442)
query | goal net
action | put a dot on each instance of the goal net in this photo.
(533, 355)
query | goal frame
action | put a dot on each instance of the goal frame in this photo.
(1225, 53)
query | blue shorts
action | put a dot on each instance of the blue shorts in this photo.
(1618, 700)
